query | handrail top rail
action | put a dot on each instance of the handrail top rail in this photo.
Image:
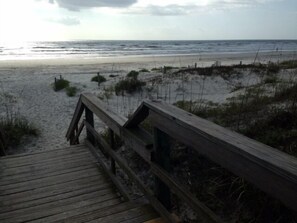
(221, 135)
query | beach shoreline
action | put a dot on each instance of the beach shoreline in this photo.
(159, 60)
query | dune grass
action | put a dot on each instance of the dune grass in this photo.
(15, 128)
(60, 84)
(71, 91)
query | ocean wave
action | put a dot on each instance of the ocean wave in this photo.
(138, 48)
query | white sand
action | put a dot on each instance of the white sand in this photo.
(30, 83)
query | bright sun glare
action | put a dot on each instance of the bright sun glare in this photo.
(19, 23)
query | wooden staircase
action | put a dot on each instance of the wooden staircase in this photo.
(63, 185)
(81, 183)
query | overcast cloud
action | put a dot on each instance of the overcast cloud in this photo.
(67, 21)
(77, 5)
(190, 7)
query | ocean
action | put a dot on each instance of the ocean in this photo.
(101, 49)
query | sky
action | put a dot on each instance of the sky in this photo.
(60, 20)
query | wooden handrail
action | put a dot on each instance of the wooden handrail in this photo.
(272, 171)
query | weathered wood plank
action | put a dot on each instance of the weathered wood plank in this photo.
(24, 186)
(156, 220)
(146, 216)
(128, 215)
(36, 168)
(161, 156)
(87, 188)
(137, 117)
(139, 140)
(15, 163)
(76, 138)
(83, 214)
(75, 119)
(62, 150)
(114, 121)
(60, 206)
(52, 190)
(45, 174)
(97, 212)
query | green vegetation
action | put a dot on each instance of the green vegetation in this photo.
(157, 69)
(273, 68)
(15, 128)
(257, 115)
(271, 79)
(71, 91)
(144, 70)
(12, 124)
(130, 84)
(288, 64)
(98, 78)
(107, 93)
(133, 74)
(60, 84)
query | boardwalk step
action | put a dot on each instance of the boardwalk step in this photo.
(62, 185)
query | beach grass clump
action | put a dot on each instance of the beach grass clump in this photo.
(71, 91)
(133, 74)
(98, 78)
(143, 70)
(288, 64)
(15, 128)
(273, 68)
(130, 84)
(271, 79)
(157, 69)
(61, 84)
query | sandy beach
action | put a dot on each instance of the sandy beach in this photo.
(29, 82)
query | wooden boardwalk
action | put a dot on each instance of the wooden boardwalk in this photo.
(63, 185)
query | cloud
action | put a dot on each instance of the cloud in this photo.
(169, 10)
(76, 5)
(67, 21)
(192, 7)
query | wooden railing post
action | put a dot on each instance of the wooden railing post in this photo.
(90, 120)
(2, 144)
(162, 158)
(112, 145)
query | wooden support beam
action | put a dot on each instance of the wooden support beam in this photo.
(90, 121)
(162, 158)
(75, 119)
(112, 145)
(2, 143)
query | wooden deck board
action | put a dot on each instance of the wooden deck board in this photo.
(62, 185)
